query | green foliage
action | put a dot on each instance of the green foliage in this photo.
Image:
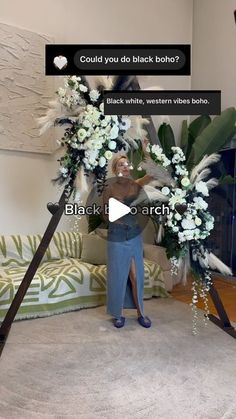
(213, 137)
(194, 130)
(173, 248)
(184, 136)
(227, 180)
(94, 222)
(166, 137)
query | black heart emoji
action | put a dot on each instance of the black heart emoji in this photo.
(53, 208)
(181, 209)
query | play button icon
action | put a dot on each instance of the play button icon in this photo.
(117, 209)
(113, 207)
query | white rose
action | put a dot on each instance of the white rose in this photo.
(188, 224)
(202, 188)
(112, 145)
(175, 229)
(102, 161)
(189, 234)
(75, 79)
(209, 225)
(83, 88)
(108, 154)
(101, 107)
(63, 170)
(94, 95)
(61, 92)
(178, 216)
(114, 132)
(198, 221)
(200, 203)
(165, 190)
(185, 182)
(81, 134)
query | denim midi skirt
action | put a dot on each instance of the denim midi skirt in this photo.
(124, 244)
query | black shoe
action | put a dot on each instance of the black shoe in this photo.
(119, 322)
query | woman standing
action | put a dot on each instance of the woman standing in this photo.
(125, 268)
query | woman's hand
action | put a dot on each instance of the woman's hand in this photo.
(145, 142)
(144, 180)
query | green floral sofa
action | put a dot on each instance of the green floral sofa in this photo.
(63, 282)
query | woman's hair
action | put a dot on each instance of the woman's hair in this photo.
(116, 160)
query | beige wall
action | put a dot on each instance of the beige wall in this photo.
(214, 40)
(25, 186)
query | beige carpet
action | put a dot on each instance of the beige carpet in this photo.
(77, 365)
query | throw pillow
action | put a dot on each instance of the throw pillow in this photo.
(94, 249)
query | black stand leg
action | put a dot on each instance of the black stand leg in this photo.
(223, 321)
(32, 268)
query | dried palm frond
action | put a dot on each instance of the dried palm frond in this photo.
(104, 82)
(212, 183)
(149, 193)
(136, 131)
(56, 111)
(129, 142)
(160, 233)
(216, 263)
(83, 183)
(158, 172)
(156, 183)
(204, 173)
(204, 163)
(183, 269)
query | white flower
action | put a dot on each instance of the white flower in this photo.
(75, 79)
(188, 224)
(101, 107)
(181, 170)
(165, 190)
(202, 188)
(63, 170)
(181, 237)
(81, 134)
(198, 221)
(177, 198)
(189, 234)
(115, 119)
(185, 181)
(209, 225)
(108, 154)
(83, 88)
(112, 145)
(61, 92)
(200, 203)
(87, 123)
(175, 229)
(106, 121)
(94, 95)
(114, 132)
(125, 123)
(178, 216)
(196, 233)
(91, 156)
(102, 161)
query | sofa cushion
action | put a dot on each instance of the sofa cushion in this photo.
(18, 250)
(157, 254)
(94, 249)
